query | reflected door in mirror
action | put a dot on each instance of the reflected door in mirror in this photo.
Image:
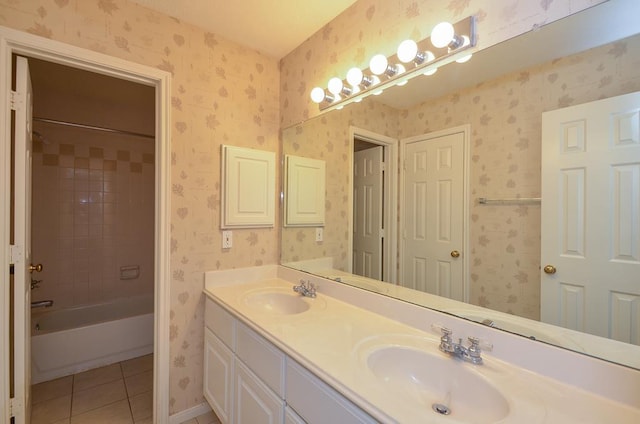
(591, 217)
(433, 215)
(367, 212)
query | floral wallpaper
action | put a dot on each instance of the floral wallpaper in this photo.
(222, 93)
(225, 93)
(327, 138)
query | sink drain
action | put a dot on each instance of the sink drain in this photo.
(441, 409)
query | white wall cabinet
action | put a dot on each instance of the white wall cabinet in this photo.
(304, 191)
(248, 380)
(248, 188)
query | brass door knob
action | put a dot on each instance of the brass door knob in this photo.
(36, 268)
(549, 269)
(455, 254)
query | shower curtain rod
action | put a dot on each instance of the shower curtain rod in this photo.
(92, 127)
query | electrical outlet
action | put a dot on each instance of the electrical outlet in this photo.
(319, 234)
(227, 239)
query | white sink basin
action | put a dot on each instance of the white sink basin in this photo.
(278, 301)
(443, 385)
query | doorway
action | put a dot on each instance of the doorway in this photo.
(17, 43)
(374, 205)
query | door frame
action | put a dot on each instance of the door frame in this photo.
(25, 44)
(466, 131)
(390, 207)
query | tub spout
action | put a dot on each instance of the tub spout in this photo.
(42, 304)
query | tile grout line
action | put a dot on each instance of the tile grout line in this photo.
(126, 390)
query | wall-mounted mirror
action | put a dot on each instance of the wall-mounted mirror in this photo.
(492, 108)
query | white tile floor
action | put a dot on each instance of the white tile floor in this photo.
(115, 394)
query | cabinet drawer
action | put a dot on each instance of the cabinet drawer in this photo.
(264, 359)
(316, 402)
(219, 321)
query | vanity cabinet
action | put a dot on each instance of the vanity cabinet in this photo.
(248, 380)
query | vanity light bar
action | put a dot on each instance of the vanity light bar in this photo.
(422, 57)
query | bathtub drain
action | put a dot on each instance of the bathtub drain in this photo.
(441, 409)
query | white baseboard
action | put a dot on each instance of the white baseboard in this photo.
(188, 414)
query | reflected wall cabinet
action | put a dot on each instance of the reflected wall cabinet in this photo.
(304, 191)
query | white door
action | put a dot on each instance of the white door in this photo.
(367, 212)
(591, 218)
(433, 215)
(21, 249)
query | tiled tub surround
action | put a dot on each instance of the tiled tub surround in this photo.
(542, 384)
(93, 200)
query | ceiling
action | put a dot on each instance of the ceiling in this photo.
(274, 28)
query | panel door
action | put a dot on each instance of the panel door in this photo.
(21, 252)
(433, 216)
(591, 218)
(367, 212)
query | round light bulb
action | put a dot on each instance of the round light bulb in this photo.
(378, 64)
(354, 76)
(317, 95)
(407, 51)
(464, 59)
(335, 85)
(442, 34)
(428, 56)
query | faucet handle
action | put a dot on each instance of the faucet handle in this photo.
(480, 344)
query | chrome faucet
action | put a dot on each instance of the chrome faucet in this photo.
(306, 288)
(42, 304)
(471, 353)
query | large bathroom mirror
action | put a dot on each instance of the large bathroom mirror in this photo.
(495, 102)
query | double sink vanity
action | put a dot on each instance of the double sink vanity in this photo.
(283, 346)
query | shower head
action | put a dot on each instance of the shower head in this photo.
(36, 136)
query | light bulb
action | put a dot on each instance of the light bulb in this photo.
(378, 64)
(464, 59)
(442, 35)
(407, 51)
(428, 56)
(335, 85)
(354, 76)
(431, 71)
(318, 95)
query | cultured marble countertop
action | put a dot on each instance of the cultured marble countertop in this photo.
(333, 338)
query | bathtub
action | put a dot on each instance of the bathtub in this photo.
(67, 341)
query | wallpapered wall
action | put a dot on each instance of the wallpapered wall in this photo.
(222, 93)
(378, 26)
(505, 119)
(226, 93)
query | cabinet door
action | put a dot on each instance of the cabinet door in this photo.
(218, 376)
(255, 403)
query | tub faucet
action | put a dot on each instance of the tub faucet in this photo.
(306, 288)
(42, 304)
(471, 353)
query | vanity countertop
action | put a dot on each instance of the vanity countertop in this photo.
(333, 340)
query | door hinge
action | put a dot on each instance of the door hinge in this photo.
(14, 404)
(15, 254)
(14, 100)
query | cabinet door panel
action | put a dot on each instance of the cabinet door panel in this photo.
(255, 402)
(218, 376)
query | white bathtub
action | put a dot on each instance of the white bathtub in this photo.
(68, 341)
